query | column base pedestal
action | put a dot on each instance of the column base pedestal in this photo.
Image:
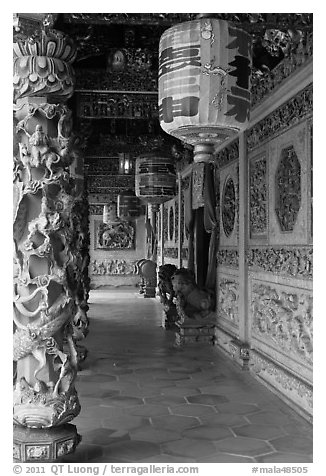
(44, 445)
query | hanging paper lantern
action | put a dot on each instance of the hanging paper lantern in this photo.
(204, 71)
(129, 206)
(155, 178)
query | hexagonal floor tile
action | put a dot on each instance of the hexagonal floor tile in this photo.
(154, 435)
(207, 399)
(243, 446)
(226, 419)
(181, 391)
(168, 400)
(131, 451)
(125, 401)
(207, 432)
(259, 431)
(237, 408)
(148, 410)
(289, 444)
(163, 458)
(102, 436)
(174, 422)
(193, 409)
(284, 458)
(189, 447)
(225, 458)
(124, 422)
(269, 418)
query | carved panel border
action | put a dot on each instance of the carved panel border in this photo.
(284, 261)
(227, 257)
(258, 196)
(282, 319)
(113, 267)
(289, 114)
(228, 299)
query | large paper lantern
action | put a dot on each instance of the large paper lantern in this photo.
(129, 206)
(155, 178)
(204, 94)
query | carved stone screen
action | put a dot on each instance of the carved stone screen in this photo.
(258, 197)
(228, 207)
(288, 189)
(115, 236)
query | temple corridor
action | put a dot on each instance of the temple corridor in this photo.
(143, 400)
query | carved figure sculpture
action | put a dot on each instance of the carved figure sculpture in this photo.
(196, 318)
(167, 295)
(192, 302)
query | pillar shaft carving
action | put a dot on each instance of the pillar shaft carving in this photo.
(48, 251)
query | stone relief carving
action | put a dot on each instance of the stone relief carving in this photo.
(263, 84)
(228, 258)
(113, 267)
(288, 189)
(115, 235)
(283, 117)
(170, 253)
(228, 297)
(44, 261)
(288, 382)
(198, 178)
(258, 197)
(228, 207)
(117, 105)
(296, 262)
(284, 320)
(228, 154)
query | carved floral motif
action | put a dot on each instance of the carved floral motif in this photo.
(296, 262)
(228, 258)
(117, 105)
(283, 117)
(113, 267)
(288, 189)
(284, 320)
(228, 297)
(228, 154)
(115, 235)
(228, 207)
(258, 197)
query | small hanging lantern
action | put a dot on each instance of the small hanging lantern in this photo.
(204, 95)
(129, 206)
(155, 178)
(110, 213)
(125, 164)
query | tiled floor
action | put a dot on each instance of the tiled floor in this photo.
(144, 400)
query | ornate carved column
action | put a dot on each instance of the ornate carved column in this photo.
(47, 253)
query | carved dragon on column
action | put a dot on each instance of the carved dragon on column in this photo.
(50, 252)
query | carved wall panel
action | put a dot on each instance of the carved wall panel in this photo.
(282, 319)
(290, 262)
(228, 154)
(116, 105)
(287, 115)
(229, 205)
(229, 258)
(228, 297)
(288, 187)
(113, 267)
(258, 197)
(115, 236)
